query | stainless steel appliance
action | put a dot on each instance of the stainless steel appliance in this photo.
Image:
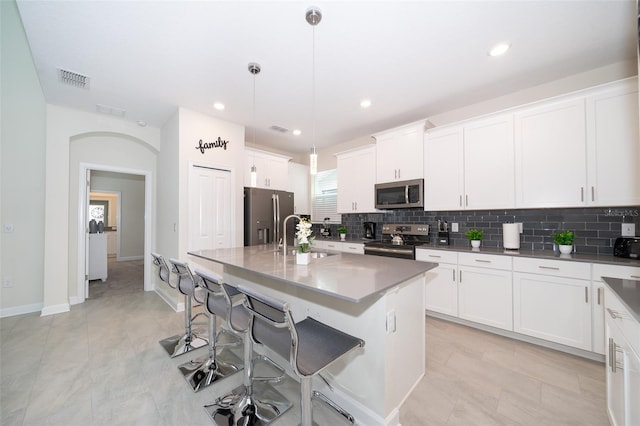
(369, 230)
(264, 212)
(443, 233)
(400, 195)
(399, 240)
(627, 247)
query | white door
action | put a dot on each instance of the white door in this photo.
(209, 208)
(87, 191)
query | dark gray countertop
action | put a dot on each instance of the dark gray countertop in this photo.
(628, 291)
(540, 254)
(347, 276)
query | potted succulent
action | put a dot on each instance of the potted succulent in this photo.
(303, 235)
(474, 235)
(564, 240)
(342, 230)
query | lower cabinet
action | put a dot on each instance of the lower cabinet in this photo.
(485, 291)
(441, 291)
(550, 306)
(343, 246)
(622, 363)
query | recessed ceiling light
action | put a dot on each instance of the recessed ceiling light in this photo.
(219, 106)
(365, 103)
(297, 132)
(499, 49)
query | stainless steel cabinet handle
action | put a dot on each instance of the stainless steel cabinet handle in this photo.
(460, 200)
(614, 314)
(549, 267)
(460, 275)
(593, 193)
(582, 193)
(454, 275)
(586, 294)
(466, 200)
(636, 277)
(599, 295)
(611, 354)
(482, 261)
(434, 255)
(614, 350)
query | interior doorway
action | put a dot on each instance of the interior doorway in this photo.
(129, 222)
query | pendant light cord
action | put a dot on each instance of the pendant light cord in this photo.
(313, 88)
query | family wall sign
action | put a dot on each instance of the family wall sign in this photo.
(218, 143)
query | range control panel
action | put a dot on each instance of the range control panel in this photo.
(406, 229)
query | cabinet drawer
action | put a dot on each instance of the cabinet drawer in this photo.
(558, 268)
(354, 248)
(485, 261)
(615, 271)
(439, 256)
(630, 328)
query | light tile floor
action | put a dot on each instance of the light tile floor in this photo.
(101, 364)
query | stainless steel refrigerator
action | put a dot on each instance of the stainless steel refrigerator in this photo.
(264, 213)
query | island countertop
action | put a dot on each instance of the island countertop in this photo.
(347, 276)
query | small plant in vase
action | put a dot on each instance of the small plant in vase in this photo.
(303, 235)
(564, 240)
(475, 236)
(342, 230)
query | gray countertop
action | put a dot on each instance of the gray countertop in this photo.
(628, 291)
(540, 254)
(347, 276)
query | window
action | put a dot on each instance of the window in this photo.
(324, 197)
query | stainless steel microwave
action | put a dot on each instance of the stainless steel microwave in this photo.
(400, 195)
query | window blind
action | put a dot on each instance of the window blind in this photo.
(324, 197)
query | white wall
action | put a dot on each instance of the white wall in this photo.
(22, 160)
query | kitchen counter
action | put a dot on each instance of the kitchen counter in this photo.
(380, 300)
(350, 277)
(540, 254)
(628, 291)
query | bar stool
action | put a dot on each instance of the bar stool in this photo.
(163, 269)
(187, 285)
(256, 402)
(310, 345)
(204, 371)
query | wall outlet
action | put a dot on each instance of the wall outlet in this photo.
(7, 282)
(454, 227)
(7, 228)
(628, 229)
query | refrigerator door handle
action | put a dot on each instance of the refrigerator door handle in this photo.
(274, 209)
(278, 219)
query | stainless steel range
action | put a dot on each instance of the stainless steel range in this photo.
(399, 240)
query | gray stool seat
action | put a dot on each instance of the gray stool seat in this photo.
(205, 371)
(187, 284)
(310, 345)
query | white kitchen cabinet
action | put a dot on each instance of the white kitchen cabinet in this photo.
(399, 153)
(343, 246)
(613, 147)
(552, 301)
(356, 179)
(299, 185)
(354, 248)
(485, 289)
(444, 169)
(598, 312)
(441, 283)
(622, 362)
(272, 170)
(550, 158)
(470, 166)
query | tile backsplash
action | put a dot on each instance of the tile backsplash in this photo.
(595, 228)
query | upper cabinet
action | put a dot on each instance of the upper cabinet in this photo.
(613, 147)
(399, 153)
(272, 170)
(550, 154)
(356, 180)
(299, 185)
(470, 166)
(582, 150)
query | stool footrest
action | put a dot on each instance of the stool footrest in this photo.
(205, 371)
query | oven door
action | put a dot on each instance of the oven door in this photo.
(388, 250)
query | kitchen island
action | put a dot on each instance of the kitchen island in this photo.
(378, 299)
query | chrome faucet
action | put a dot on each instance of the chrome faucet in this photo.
(284, 231)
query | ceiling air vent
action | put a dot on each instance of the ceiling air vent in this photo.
(279, 129)
(73, 79)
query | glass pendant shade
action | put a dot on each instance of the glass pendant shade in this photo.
(313, 161)
(254, 176)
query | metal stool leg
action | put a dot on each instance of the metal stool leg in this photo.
(179, 345)
(204, 371)
(320, 396)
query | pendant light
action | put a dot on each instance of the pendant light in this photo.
(255, 70)
(313, 17)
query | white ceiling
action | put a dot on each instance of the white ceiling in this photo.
(413, 59)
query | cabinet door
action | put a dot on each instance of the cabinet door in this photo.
(613, 148)
(615, 376)
(441, 291)
(632, 387)
(550, 155)
(354, 248)
(443, 169)
(299, 185)
(399, 154)
(485, 296)
(552, 308)
(489, 169)
(356, 180)
(597, 318)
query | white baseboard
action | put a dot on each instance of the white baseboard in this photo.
(20, 310)
(165, 295)
(74, 300)
(55, 309)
